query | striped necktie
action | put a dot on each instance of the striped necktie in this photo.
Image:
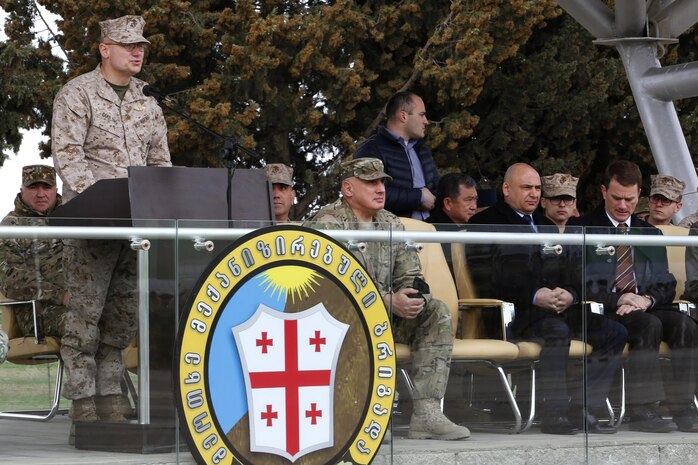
(625, 274)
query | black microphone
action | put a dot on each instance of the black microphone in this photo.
(150, 91)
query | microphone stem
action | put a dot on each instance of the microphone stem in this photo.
(230, 144)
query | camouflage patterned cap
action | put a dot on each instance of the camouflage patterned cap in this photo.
(559, 184)
(32, 174)
(667, 186)
(124, 30)
(278, 173)
(367, 169)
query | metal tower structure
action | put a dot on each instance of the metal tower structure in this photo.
(638, 29)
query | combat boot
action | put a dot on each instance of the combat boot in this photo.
(81, 410)
(110, 408)
(428, 422)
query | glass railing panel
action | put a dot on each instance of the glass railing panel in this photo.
(128, 263)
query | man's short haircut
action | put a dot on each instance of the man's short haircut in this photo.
(398, 102)
(449, 186)
(625, 172)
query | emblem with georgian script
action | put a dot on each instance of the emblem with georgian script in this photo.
(286, 355)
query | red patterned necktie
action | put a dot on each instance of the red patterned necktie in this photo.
(625, 275)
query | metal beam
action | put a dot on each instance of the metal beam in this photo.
(594, 15)
(676, 17)
(661, 123)
(631, 18)
(672, 82)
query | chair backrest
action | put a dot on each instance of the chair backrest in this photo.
(676, 256)
(9, 322)
(435, 269)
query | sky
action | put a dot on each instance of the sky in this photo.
(11, 170)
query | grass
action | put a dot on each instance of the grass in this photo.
(27, 386)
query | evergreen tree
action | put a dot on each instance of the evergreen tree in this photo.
(300, 82)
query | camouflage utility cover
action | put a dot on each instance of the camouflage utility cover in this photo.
(667, 186)
(33, 174)
(559, 184)
(124, 30)
(278, 173)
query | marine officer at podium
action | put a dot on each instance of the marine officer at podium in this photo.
(102, 124)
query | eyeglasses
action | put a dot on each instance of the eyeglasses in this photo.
(130, 47)
(660, 200)
(561, 200)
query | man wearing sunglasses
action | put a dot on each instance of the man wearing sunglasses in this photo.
(102, 124)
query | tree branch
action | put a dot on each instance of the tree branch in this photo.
(413, 77)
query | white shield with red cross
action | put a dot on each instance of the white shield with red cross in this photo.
(289, 361)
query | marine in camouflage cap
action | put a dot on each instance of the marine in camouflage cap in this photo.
(278, 173)
(283, 196)
(367, 169)
(423, 322)
(32, 174)
(664, 199)
(559, 199)
(125, 30)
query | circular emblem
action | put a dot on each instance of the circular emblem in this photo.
(286, 351)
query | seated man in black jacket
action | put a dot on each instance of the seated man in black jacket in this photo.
(456, 203)
(637, 289)
(546, 292)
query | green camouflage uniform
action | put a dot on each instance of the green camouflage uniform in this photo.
(95, 135)
(33, 269)
(393, 267)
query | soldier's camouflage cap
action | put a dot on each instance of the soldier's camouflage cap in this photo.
(278, 173)
(367, 169)
(124, 30)
(32, 174)
(559, 184)
(667, 186)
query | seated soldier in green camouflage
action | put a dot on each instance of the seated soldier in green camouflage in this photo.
(31, 269)
(422, 322)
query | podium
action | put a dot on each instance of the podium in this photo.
(167, 193)
(148, 196)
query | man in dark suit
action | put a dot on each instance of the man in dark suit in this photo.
(637, 289)
(456, 203)
(545, 288)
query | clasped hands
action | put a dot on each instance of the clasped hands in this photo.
(557, 300)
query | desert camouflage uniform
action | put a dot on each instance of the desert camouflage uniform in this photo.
(690, 221)
(95, 135)
(393, 267)
(33, 269)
